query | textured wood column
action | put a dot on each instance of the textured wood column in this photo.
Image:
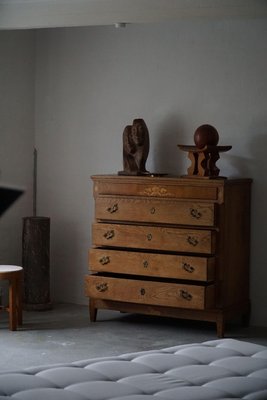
(36, 263)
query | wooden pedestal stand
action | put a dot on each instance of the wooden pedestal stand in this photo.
(203, 161)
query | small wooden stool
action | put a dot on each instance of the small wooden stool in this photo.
(13, 274)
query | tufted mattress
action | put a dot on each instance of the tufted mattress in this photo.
(220, 369)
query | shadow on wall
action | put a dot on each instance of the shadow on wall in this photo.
(258, 172)
(239, 166)
(255, 164)
(258, 146)
(168, 158)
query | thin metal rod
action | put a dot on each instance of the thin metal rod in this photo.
(34, 202)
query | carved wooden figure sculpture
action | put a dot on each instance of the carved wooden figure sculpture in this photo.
(135, 148)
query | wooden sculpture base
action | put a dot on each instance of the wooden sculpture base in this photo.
(203, 161)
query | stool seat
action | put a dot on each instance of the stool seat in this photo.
(10, 268)
(13, 273)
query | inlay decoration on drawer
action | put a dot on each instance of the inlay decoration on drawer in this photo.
(154, 237)
(164, 188)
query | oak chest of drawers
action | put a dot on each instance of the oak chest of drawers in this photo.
(168, 246)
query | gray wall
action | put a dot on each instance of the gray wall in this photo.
(91, 82)
(16, 134)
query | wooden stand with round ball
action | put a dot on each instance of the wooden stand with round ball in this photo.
(205, 153)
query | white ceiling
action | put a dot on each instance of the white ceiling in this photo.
(15, 14)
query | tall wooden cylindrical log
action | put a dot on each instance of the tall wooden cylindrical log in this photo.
(36, 263)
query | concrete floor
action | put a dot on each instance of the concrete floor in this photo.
(65, 334)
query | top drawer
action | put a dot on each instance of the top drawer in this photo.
(167, 211)
(160, 187)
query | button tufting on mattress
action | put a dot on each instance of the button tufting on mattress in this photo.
(224, 369)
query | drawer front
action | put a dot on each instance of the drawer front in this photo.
(154, 238)
(154, 211)
(177, 188)
(149, 292)
(148, 264)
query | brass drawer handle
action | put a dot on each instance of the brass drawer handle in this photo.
(195, 213)
(102, 287)
(145, 264)
(149, 236)
(185, 295)
(104, 260)
(152, 210)
(113, 208)
(142, 291)
(188, 268)
(192, 240)
(109, 234)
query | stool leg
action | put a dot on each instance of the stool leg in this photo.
(19, 301)
(12, 304)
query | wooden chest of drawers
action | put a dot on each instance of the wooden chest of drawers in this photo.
(170, 246)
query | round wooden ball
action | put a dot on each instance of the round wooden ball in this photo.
(206, 135)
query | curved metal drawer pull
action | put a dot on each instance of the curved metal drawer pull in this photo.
(109, 234)
(188, 268)
(113, 208)
(102, 287)
(192, 240)
(104, 260)
(185, 295)
(195, 213)
(142, 291)
(152, 210)
(149, 236)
